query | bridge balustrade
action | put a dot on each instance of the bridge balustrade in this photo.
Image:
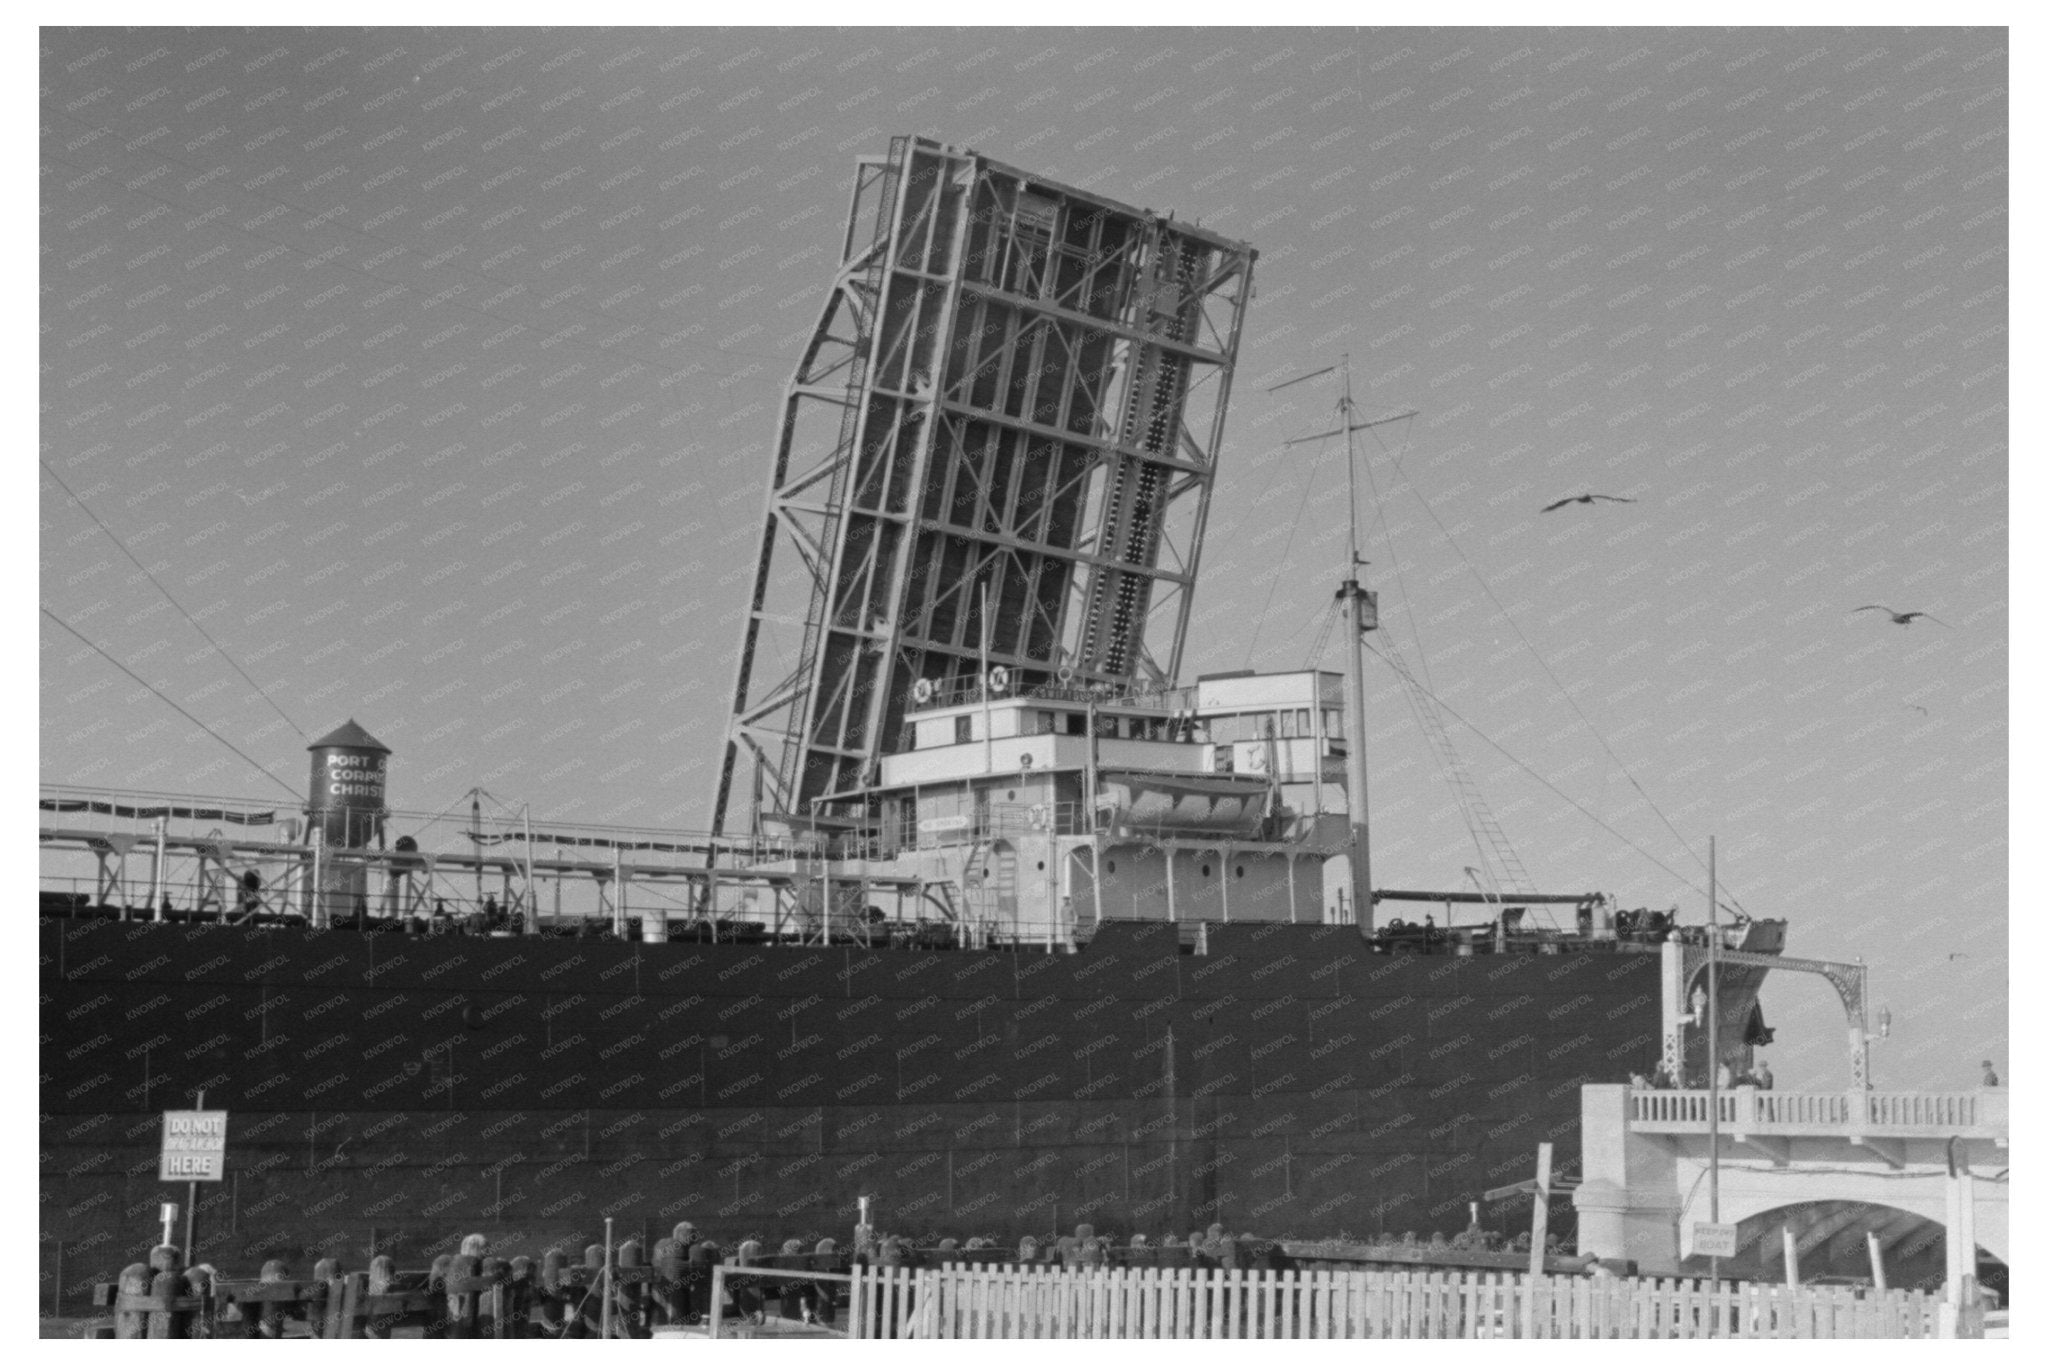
(1792, 1113)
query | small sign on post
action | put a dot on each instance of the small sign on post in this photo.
(1713, 1239)
(195, 1144)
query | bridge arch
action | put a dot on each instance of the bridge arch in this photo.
(1831, 1238)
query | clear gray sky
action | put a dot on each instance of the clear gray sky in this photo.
(436, 374)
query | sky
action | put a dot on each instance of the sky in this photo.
(435, 374)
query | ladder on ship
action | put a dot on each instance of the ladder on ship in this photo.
(1505, 876)
(1502, 868)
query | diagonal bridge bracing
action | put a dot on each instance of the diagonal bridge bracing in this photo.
(1014, 394)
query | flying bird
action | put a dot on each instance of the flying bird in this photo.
(1921, 709)
(1587, 498)
(1902, 618)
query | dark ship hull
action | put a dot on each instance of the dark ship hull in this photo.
(397, 1091)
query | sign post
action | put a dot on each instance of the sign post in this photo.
(1713, 1052)
(1539, 1234)
(195, 1149)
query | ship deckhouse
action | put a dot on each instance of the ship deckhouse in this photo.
(1036, 815)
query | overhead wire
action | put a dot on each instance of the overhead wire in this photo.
(79, 502)
(162, 158)
(1549, 673)
(1547, 783)
(1412, 691)
(295, 794)
(1259, 621)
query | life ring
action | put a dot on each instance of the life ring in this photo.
(999, 679)
(1066, 674)
(923, 692)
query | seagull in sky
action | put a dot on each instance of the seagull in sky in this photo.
(1902, 618)
(1587, 498)
(1921, 709)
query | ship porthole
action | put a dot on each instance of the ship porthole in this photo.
(1110, 866)
(1240, 871)
(1205, 869)
(1041, 867)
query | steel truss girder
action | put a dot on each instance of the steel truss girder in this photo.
(1037, 451)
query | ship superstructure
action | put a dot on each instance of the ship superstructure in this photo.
(1036, 817)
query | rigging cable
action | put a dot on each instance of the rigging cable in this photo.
(1570, 700)
(1259, 621)
(1480, 822)
(1547, 783)
(295, 795)
(1321, 642)
(80, 504)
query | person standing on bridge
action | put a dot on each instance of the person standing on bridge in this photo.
(1764, 1079)
(1990, 1077)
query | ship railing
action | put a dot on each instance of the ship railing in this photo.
(1020, 820)
(971, 691)
(435, 899)
(216, 893)
(180, 857)
(1788, 1113)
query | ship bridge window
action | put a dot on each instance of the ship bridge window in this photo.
(963, 729)
(1077, 724)
(1333, 724)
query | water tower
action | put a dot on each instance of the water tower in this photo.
(345, 810)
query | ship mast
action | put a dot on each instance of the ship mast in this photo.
(1361, 613)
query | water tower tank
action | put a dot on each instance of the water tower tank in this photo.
(345, 810)
(345, 795)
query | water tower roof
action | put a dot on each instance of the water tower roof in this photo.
(349, 735)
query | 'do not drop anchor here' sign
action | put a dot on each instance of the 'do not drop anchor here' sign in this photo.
(195, 1144)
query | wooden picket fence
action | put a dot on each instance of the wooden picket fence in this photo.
(1018, 1302)
(1034, 1302)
